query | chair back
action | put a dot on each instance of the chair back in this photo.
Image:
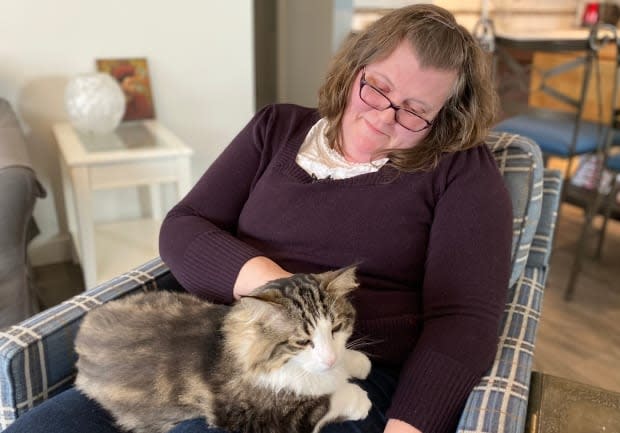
(603, 176)
(520, 162)
(558, 94)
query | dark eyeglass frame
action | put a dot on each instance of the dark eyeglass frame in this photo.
(395, 107)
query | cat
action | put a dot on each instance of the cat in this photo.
(275, 361)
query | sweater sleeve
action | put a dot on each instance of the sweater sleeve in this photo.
(464, 293)
(197, 238)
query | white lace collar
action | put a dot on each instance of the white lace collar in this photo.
(321, 161)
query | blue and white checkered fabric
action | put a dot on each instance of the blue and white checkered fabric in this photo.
(498, 404)
(520, 162)
(543, 238)
(37, 357)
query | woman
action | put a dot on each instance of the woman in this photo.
(390, 173)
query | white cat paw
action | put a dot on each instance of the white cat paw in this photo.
(350, 402)
(357, 364)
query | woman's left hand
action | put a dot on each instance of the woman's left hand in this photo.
(256, 272)
(398, 426)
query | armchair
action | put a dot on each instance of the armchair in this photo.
(37, 357)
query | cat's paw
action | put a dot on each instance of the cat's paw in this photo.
(357, 364)
(350, 402)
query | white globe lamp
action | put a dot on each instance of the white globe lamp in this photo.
(94, 102)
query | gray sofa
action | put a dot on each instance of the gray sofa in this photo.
(19, 189)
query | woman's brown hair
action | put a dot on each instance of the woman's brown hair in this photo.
(438, 42)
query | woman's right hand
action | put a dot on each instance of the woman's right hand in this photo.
(256, 272)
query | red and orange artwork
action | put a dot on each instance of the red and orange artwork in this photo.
(133, 77)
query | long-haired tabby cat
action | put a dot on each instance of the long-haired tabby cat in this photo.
(274, 362)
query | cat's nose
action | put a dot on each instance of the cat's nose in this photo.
(329, 360)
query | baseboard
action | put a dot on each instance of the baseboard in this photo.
(46, 251)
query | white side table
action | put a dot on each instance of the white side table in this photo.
(140, 154)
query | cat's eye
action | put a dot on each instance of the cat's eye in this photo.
(337, 328)
(303, 342)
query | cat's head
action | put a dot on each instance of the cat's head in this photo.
(305, 319)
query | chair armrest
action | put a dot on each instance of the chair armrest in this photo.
(540, 251)
(37, 357)
(498, 404)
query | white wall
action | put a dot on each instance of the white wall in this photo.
(200, 56)
(309, 33)
(305, 41)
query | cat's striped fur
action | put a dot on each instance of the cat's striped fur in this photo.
(274, 362)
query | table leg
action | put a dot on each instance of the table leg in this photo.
(85, 224)
(70, 211)
(155, 199)
(183, 178)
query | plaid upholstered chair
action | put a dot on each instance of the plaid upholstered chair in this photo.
(498, 404)
(37, 358)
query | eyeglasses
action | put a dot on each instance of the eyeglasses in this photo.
(376, 99)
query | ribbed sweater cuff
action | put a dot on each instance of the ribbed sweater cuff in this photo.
(216, 272)
(431, 393)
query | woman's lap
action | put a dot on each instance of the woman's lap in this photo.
(67, 412)
(380, 386)
(72, 412)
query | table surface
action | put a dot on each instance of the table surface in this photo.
(559, 405)
(572, 34)
(130, 141)
(569, 39)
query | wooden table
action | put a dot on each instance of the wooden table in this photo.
(558, 405)
(140, 154)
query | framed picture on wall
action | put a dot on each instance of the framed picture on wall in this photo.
(133, 76)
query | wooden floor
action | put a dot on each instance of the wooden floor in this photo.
(578, 339)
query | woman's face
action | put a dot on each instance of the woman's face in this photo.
(399, 77)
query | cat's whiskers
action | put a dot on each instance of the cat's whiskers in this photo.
(293, 377)
(361, 342)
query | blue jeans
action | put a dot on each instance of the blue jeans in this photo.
(72, 412)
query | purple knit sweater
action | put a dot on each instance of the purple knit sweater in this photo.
(433, 251)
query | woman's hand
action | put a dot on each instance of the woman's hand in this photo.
(398, 426)
(256, 272)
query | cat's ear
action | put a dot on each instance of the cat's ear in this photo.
(269, 296)
(264, 304)
(339, 282)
